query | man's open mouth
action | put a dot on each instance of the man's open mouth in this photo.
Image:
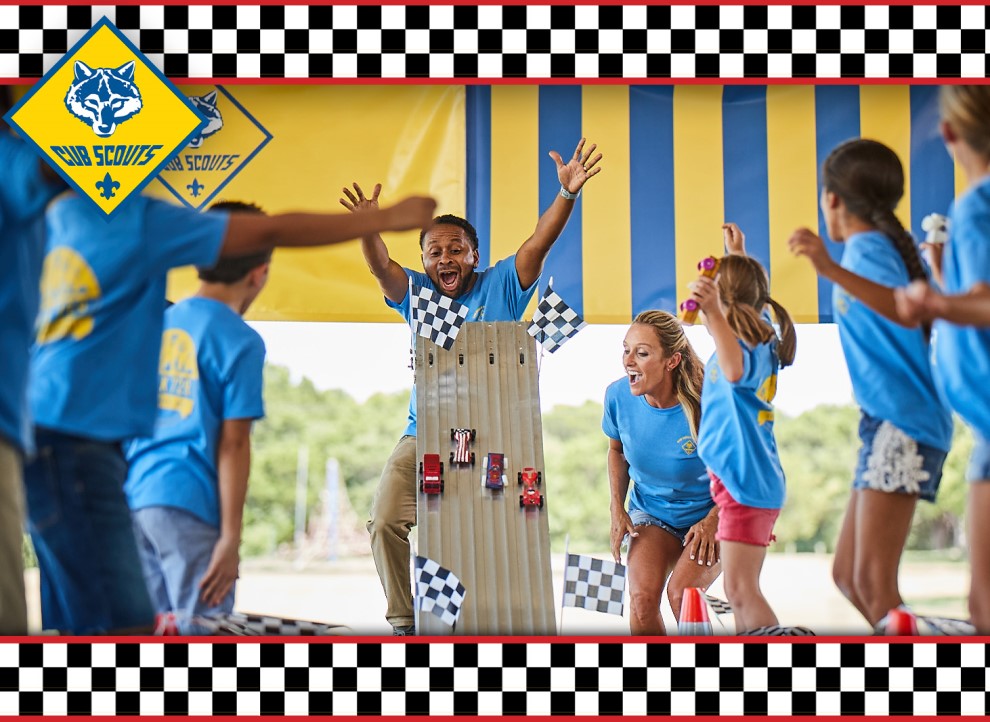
(448, 280)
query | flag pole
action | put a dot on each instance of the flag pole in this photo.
(563, 592)
(412, 331)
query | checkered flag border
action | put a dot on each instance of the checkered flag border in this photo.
(438, 591)
(538, 41)
(873, 676)
(595, 584)
(436, 317)
(554, 322)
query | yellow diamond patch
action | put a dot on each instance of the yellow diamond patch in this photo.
(106, 118)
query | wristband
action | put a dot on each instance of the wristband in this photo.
(564, 193)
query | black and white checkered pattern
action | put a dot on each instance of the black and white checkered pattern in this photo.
(519, 41)
(554, 322)
(718, 606)
(259, 625)
(436, 317)
(595, 584)
(498, 676)
(438, 591)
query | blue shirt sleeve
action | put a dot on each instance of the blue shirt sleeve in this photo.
(609, 422)
(179, 236)
(242, 388)
(24, 191)
(516, 297)
(874, 257)
(971, 238)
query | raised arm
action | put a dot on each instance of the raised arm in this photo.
(572, 175)
(920, 302)
(249, 233)
(704, 290)
(391, 278)
(880, 298)
(734, 239)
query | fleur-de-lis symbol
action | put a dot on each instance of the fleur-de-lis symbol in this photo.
(195, 187)
(107, 186)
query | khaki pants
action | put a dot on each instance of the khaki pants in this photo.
(13, 608)
(393, 514)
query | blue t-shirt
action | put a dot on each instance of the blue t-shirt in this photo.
(962, 353)
(496, 296)
(669, 480)
(24, 193)
(210, 370)
(889, 364)
(102, 299)
(736, 439)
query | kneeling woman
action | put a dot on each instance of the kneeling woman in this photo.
(651, 419)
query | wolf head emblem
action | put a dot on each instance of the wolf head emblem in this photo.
(207, 105)
(103, 98)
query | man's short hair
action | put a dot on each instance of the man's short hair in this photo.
(452, 220)
(234, 268)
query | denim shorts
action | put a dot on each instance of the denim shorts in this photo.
(891, 461)
(176, 548)
(979, 460)
(641, 518)
(91, 580)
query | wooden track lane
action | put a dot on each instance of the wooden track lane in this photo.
(487, 381)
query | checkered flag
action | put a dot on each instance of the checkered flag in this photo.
(438, 590)
(594, 584)
(435, 316)
(718, 606)
(554, 321)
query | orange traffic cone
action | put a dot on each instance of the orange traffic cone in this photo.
(899, 622)
(694, 615)
(166, 625)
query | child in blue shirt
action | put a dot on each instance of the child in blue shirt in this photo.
(186, 484)
(651, 421)
(735, 439)
(905, 428)
(963, 315)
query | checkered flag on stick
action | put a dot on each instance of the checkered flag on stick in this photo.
(438, 590)
(718, 606)
(594, 584)
(435, 316)
(554, 321)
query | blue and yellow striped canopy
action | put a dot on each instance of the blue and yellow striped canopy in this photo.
(678, 161)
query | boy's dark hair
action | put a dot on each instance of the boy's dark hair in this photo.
(452, 220)
(235, 268)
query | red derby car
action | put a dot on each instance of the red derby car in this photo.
(431, 474)
(530, 496)
(463, 439)
(494, 476)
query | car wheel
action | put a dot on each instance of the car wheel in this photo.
(521, 504)
(541, 502)
(539, 478)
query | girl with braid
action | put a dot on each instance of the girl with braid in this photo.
(905, 429)
(651, 421)
(736, 439)
(963, 313)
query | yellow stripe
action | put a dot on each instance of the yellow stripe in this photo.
(792, 179)
(515, 197)
(885, 115)
(699, 206)
(605, 229)
(960, 178)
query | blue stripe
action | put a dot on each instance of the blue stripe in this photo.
(744, 159)
(651, 198)
(932, 173)
(836, 120)
(478, 124)
(560, 130)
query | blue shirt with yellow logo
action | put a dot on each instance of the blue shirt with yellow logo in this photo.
(736, 439)
(23, 196)
(496, 296)
(102, 302)
(963, 352)
(210, 370)
(669, 480)
(888, 364)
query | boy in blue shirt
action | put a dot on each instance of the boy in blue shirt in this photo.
(187, 483)
(499, 293)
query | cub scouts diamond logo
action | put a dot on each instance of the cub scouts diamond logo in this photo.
(231, 138)
(105, 118)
